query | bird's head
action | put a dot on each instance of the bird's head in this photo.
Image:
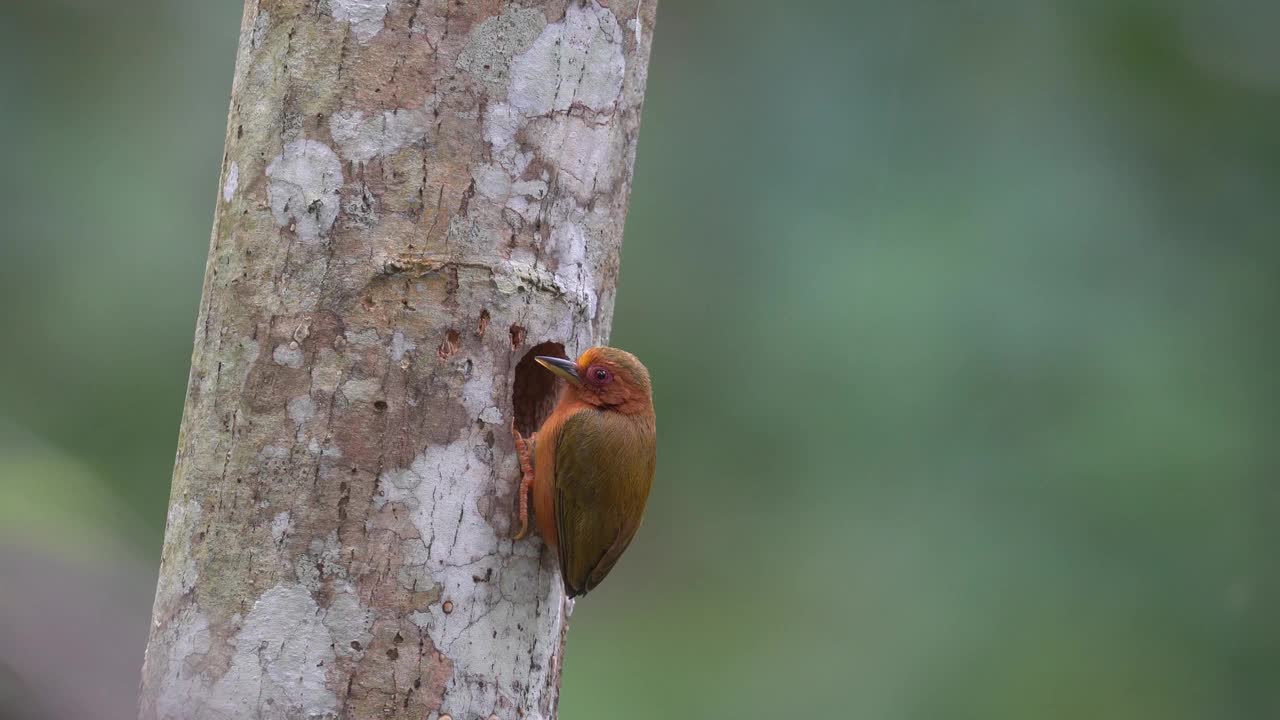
(607, 378)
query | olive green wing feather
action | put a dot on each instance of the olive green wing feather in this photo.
(604, 465)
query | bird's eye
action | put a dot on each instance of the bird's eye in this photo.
(599, 375)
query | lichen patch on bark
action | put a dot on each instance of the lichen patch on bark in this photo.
(488, 595)
(277, 666)
(577, 61)
(303, 184)
(232, 183)
(364, 16)
(488, 52)
(363, 137)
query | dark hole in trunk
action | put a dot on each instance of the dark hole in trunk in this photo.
(535, 389)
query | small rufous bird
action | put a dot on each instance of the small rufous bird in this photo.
(592, 464)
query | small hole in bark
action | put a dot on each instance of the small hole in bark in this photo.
(379, 405)
(393, 654)
(447, 607)
(355, 645)
(483, 324)
(517, 337)
(533, 392)
(450, 345)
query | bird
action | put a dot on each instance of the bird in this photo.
(590, 465)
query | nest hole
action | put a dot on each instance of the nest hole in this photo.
(533, 394)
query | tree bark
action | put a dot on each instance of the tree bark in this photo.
(416, 196)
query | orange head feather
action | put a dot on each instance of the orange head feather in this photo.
(606, 378)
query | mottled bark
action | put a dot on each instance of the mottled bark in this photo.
(415, 194)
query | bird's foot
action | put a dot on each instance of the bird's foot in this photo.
(524, 451)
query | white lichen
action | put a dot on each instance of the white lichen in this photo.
(361, 137)
(366, 17)
(400, 346)
(326, 371)
(481, 634)
(348, 621)
(288, 354)
(494, 182)
(326, 449)
(532, 189)
(251, 351)
(281, 651)
(190, 640)
(362, 390)
(303, 183)
(280, 526)
(585, 153)
(577, 61)
(501, 121)
(525, 274)
(493, 42)
(233, 182)
(323, 559)
(274, 452)
(179, 575)
(568, 242)
(466, 235)
(480, 388)
(363, 338)
(301, 409)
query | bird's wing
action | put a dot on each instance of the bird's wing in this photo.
(604, 465)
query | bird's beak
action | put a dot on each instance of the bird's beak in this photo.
(564, 368)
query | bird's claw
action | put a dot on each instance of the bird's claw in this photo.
(523, 452)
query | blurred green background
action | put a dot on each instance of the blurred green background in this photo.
(962, 317)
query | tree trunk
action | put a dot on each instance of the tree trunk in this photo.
(416, 196)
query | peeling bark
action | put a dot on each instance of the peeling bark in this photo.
(400, 175)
